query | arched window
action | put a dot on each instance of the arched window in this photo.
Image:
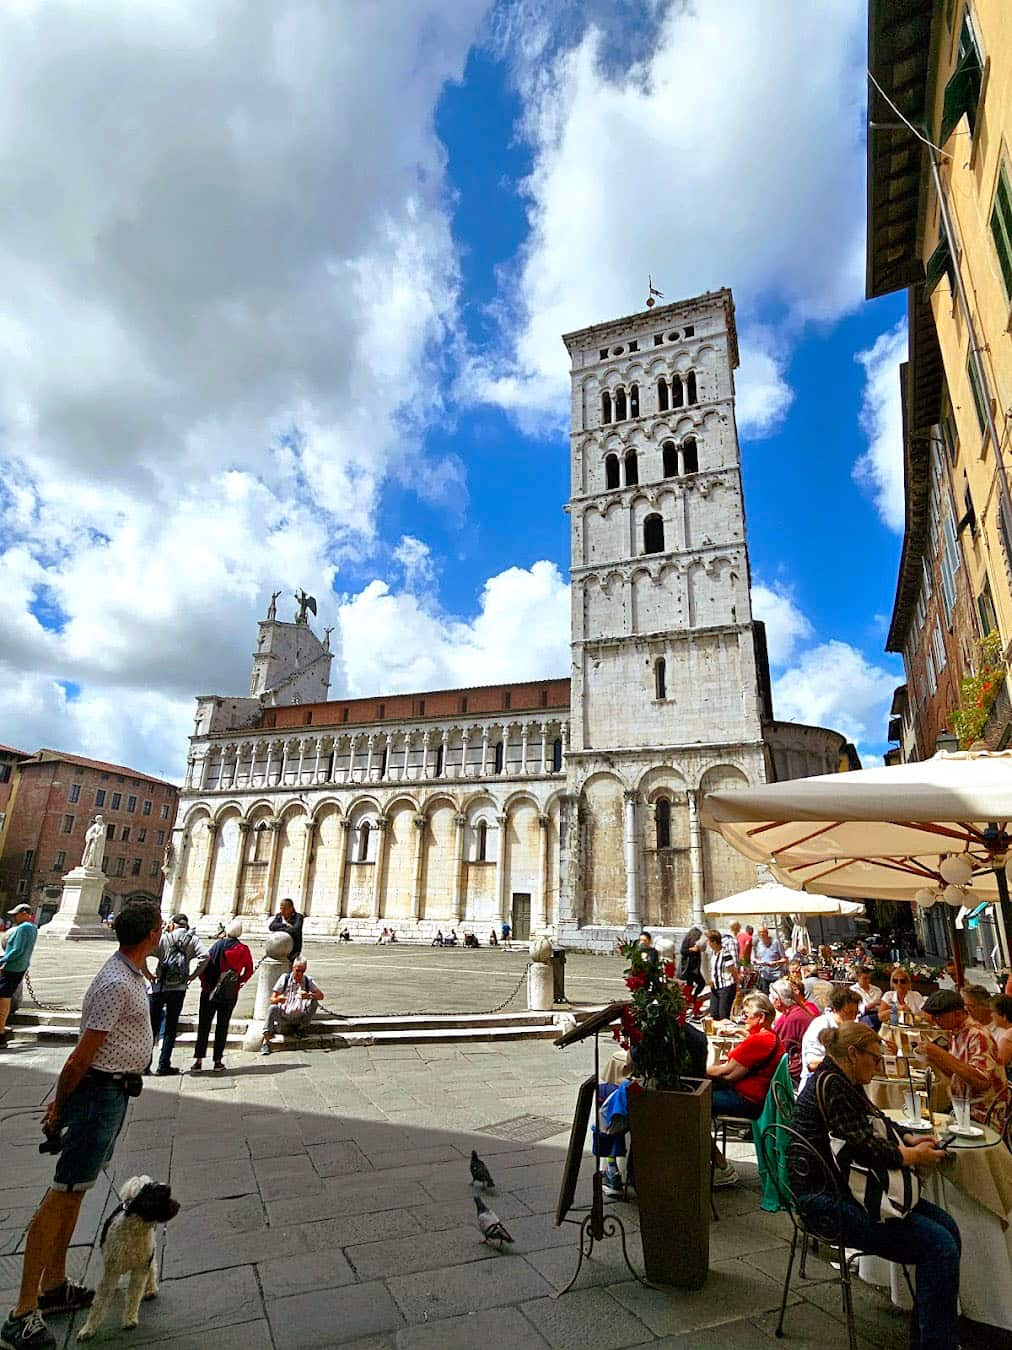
(653, 534)
(606, 407)
(677, 394)
(670, 452)
(620, 408)
(262, 844)
(663, 814)
(499, 757)
(662, 395)
(611, 471)
(690, 455)
(632, 469)
(660, 678)
(690, 388)
(439, 761)
(481, 846)
(363, 841)
(557, 755)
(634, 400)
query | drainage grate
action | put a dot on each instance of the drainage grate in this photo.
(526, 1129)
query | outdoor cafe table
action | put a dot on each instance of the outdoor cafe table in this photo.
(974, 1185)
(887, 1092)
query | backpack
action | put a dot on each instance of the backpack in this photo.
(226, 991)
(175, 968)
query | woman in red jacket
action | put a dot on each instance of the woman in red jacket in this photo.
(229, 964)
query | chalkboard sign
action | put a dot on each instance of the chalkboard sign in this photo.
(577, 1144)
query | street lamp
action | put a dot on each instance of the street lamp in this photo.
(947, 741)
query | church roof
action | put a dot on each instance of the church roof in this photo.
(525, 696)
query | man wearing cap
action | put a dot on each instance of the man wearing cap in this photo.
(176, 952)
(972, 1055)
(15, 960)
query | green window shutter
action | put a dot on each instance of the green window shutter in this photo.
(978, 393)
(938, 265)
(962, 95)
(1001, 228)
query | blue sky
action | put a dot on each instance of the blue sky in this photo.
(287, 311)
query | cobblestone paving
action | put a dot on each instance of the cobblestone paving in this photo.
(326, 1202)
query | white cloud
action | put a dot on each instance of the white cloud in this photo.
(727, 151)
(228, 273)
(835, 685)
(786, 626)
(880, 469)
(397, 642)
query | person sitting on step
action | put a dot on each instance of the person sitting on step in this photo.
(294, 1000)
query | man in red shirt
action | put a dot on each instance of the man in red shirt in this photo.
(742, 1081)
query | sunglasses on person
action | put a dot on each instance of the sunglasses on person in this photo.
(900, 979)
(867, 1050)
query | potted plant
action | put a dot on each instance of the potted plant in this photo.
(669, 1122)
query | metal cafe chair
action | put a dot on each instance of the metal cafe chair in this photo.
(820, 1180)
(1001, 1102)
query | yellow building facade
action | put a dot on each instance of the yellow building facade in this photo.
(940, 225)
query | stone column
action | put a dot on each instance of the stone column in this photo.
(570, 856)
(273, 857)
(342, 865)
(269, 765)
(349, 768)
(501, 863)
(386, 763)
(695, 859)
(631, 842)
(205, 880)
(370, 747)
(424, 770)
(381, 856)
(458, 898)
(307, 860)
(445, 747)
(302, 762)
(539, 919)
(484, 752)
(240, 863)
(544, 747)
(524, 735)
(416, 884)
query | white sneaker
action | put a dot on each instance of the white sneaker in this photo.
(724, 1176)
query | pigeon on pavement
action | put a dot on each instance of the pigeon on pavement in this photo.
(492, 1229)
(480, 1174)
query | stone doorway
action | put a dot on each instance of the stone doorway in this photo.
(521, 916)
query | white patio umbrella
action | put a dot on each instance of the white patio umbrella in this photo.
(775, 899)
(887, 833)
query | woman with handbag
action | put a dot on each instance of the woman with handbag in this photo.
(870, 1193)
(229, 966)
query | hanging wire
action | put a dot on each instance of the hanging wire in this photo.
(907, 122)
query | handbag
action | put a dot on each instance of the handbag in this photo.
(883, 1192)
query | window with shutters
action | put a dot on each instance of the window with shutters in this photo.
(962, 92)
(938, 649)
(950, 560)
(929, 670)
(146, 809)
(68, 825)
(985, 610)
(117, 798)
(131, 804)
(74, 795)
(60, 861)
(100, 796)
(1001, 228)
(977, 390)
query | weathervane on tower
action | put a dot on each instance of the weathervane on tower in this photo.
(652, 292)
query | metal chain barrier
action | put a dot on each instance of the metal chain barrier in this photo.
(50, 1007)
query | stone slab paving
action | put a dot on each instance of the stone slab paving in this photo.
(326, 1202)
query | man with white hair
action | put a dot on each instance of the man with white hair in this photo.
(229, 966)
(294, 1000)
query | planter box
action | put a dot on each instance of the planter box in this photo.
(671, 1152)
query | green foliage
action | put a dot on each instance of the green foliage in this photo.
(978, 691)
(653, 1025)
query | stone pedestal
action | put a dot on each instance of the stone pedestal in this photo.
(540, 987)
(78, 916)
(272, 967)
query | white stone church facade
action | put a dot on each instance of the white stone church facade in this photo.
(568, 804)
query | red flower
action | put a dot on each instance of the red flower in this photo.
(635, 982)
(669, 970)
(617, 1033)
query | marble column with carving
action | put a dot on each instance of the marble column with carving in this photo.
(342, 865)
(502, 868)
(205, 880)
(695, 860)
(539, 919)
(382, 822)
(240, 865)
(631, 846)
(419, 822)
(309, 830)
(458, 899)
(273, 863)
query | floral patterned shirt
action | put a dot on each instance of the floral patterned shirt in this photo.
(974, 1045)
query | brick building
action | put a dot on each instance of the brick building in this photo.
(53, 800)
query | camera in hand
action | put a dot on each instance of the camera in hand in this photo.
(53, 1142)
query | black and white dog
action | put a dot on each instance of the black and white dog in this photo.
(128, 1247)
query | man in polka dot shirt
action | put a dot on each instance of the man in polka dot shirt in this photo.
(104, 1069)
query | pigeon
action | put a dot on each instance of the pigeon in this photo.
(480, 1174)
(491, 1228)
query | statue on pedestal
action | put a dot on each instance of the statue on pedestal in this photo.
(306, 603)
(272, 608)
(94, 844)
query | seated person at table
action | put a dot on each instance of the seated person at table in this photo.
(740, 1084)
(869, 994)
(900, 995)
(977, 1002)
(794, 1015)
(834, 1105)
(844, 1006)
(818, 988)
(1001, 1008)
(972, 1056)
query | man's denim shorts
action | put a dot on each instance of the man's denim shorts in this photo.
(92, 1120)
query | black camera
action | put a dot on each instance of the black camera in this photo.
(53, 1142)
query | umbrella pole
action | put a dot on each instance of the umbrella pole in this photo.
(1005, 912)
(957, 955)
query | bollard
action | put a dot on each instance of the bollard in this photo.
(539, 987)
(272, 967)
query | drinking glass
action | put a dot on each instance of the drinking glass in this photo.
(911, 1104)
(960, 1094)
